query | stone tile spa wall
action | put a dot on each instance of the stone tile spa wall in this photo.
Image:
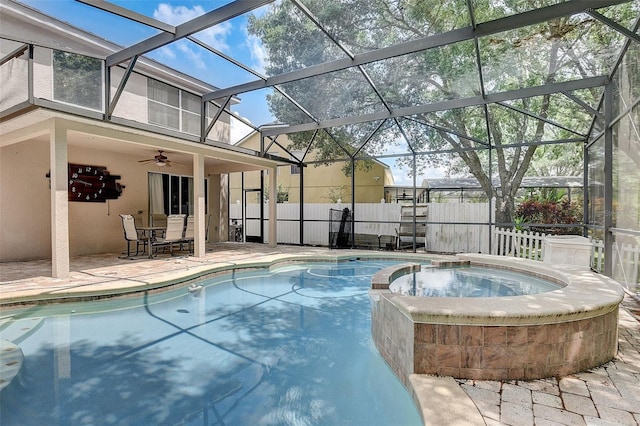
(546, 335)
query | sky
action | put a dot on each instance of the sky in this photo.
(230, 37)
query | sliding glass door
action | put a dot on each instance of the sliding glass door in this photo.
(172, 194)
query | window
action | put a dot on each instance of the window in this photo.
(173, 194)
(164, 104)
(296, 156)
(173, 108)
(77, 80)
(190, 113)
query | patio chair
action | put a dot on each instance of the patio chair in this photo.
(132, 234)
(159, 220)
(206, 229)
(173, 234)
(188, 233)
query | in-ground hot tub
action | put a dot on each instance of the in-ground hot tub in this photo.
(554, 333)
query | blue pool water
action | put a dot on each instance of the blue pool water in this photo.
(470, 281)
(290, 347)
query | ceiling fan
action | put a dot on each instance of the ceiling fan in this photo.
(160, 160)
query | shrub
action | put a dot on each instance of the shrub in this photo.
(534, 212)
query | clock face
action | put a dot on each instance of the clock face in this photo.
(92, 184)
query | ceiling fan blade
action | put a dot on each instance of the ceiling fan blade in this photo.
(160, 160)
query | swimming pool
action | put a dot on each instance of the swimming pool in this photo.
(291, 346)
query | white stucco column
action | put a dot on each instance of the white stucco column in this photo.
(273, 207)
(199, 249)
(59, 200)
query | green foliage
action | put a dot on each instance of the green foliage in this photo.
(557, 160)
(518, 222)
(549, 212)
(337, 193)
(282, 194)
(550, 195)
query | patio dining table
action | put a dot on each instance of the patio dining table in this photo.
(150, 232)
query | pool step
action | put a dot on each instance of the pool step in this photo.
(11, 360)
(17, 330)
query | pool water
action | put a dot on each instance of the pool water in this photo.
(470, 281)
(287, 347)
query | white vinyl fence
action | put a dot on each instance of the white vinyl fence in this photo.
(530, 245)
(451, 227)
(523, 244)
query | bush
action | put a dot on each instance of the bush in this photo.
(532, 212)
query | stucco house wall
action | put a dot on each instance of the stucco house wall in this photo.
(133, 104)
(25, 199)
(319, 181)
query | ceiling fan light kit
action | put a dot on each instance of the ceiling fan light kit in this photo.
(159, 160)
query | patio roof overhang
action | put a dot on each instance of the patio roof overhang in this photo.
(132, 139)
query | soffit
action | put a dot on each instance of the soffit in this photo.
(106, 136)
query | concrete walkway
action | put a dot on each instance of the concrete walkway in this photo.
(608, 395)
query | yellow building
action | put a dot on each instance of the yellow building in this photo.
(322, 183)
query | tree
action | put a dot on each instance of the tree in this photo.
(77, 79)
(336, 193)
(282, 194)
(559, 50)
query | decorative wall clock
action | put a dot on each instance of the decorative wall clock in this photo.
(92, 184)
